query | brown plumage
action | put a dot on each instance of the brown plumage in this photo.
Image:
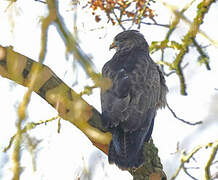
(130, 105)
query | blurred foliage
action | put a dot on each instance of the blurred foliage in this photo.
(187, 41)
(118, 11)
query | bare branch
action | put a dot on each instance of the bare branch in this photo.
(186, 122)
(118, 20)
(203, 8)
(185, 158)
(186, 171)
(141, 13)
(173, 71)
(28, 127)
(40, 1)
(210, 160)
(203, 55)
(156, 24)
(147, 23)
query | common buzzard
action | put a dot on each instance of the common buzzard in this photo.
(130, 104)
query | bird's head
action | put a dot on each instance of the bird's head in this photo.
(128, 40)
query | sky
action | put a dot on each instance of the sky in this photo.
(69, 154)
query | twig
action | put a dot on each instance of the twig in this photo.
(177, 16)
(201, 32)
(118, 20)
(74, 48)
(203, 8)
(186, 122)
(173, 71)
(40, 1)
(186, 171)
(156, 24)
(186, 157)
(177, 62)
(87, 90)
(28, 127)
(141, 13)
(203, 55)
(192, 167)
(215, 162)
(147, 23)
(59, 125)
(210, 160)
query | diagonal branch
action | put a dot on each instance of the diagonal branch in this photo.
(71, 107)
(210, 160)
(67, 102)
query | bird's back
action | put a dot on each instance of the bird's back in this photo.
(143, 89)
(129, 106)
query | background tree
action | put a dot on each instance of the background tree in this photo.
(184, 45)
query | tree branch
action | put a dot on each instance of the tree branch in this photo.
(203, 56)
(185, 158)
(71, 107)
(186, 122)
(210, 160)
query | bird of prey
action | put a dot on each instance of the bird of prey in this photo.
(130, 104)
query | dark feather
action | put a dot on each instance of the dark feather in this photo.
(126, 148)
(130, 105)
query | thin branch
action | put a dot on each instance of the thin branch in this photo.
(215, 162)
(74, 48)
(118, 20)
(147, 23)
(186, 158)
(28, 127)
(203, 55)
(192, 167)
(141, 13)
(180, 74)
(210, 160)
(40, 1)
(186, 122)
(186, 171)
(156, 24)
(46, 22)
(16, 155)
(173, 71)
(177, 16)
(201, 32)
(202, 10)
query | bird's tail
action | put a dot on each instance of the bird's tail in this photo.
(126, 148)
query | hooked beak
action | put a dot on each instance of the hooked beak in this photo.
(112, 46)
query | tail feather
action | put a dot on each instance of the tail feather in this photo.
(126, 148)
(124, 162)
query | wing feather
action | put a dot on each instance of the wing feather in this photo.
(136, 91)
